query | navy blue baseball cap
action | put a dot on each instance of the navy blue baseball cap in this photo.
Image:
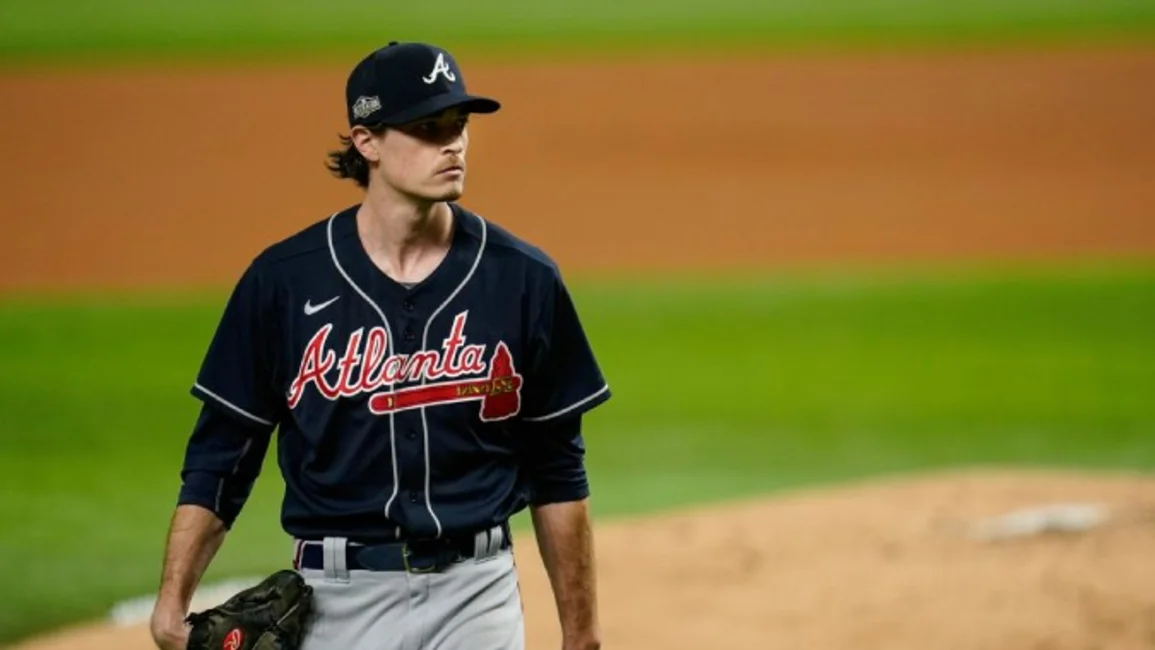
(402, 82)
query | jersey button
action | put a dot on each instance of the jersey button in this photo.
(412, 434)
(407, 305)
(409, 335)
(413, 496)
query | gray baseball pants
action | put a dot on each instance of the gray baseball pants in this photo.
(474, 604)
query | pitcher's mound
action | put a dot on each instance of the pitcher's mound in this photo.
(974, 560)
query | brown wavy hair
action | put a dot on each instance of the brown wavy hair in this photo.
(347, 162)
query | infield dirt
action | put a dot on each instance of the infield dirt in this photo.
(159, 177)
(177, 178)
(891, 565)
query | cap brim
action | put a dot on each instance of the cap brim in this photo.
(434, 105)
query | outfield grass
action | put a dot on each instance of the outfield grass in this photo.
(30, 29)
(722, 389)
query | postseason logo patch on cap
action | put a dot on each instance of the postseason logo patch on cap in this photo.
(366, 106)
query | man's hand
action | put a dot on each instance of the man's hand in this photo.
(195, 535)
(169, 631)
(588, 642)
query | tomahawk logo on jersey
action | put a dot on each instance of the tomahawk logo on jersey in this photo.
(382, 391)
(366, 368)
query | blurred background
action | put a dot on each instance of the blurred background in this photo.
(811, 242)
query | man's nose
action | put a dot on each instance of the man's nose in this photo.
(456, 144)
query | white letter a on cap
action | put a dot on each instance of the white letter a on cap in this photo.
(440, 68)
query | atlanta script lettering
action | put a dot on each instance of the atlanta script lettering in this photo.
(366, 367)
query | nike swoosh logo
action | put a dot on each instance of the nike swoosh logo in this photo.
(311, 309)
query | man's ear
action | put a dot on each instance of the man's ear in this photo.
(366, 143)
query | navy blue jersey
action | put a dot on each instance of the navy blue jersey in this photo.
(401, 411)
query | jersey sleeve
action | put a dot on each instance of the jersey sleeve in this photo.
(238, 373)
(222, 462)
(564, 377)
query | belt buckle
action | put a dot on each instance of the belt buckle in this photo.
(409, 568)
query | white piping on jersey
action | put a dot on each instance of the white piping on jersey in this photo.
(425, 346)
(225, 402)
(542, 418)
(389, 335)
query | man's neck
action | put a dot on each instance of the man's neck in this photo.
(404, 238)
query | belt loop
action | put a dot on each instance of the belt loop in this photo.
(341, 558)
(327, 558)
(487, 544)
(336, 569)
(496, 538)
(480, 545)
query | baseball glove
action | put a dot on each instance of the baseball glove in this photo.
(272, 615)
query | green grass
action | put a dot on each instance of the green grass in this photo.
(31, 29)
(721, 388)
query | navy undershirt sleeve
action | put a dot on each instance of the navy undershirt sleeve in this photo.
(222, 461)
(555, 460)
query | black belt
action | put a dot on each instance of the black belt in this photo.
(411, 556)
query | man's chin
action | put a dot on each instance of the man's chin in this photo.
(449, 193)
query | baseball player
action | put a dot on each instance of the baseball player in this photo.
(426, 373)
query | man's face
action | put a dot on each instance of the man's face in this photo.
(425, 158)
